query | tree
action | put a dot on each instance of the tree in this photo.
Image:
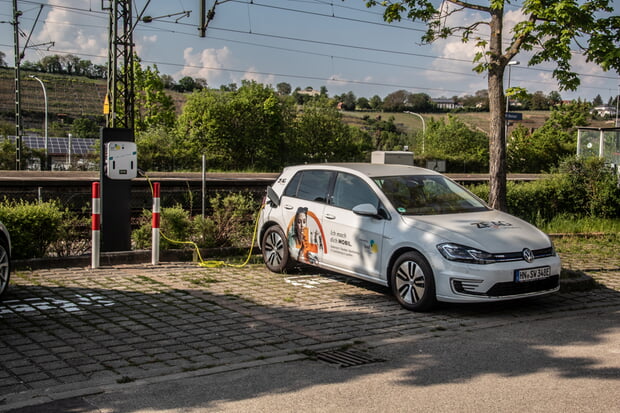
(598, 101)
(321, 136)
(238, 130)
(152, 106)
(544, 148)
(419, 102)
(86, 128)
(362, 103)
(2, 61)
(539, 101)
(376, 103)
(283, 88)
(549, 29)
(348, 101)
(396, 101)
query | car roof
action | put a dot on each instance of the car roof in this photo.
(372, 169)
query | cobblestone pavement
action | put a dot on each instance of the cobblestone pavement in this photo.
(62, 328)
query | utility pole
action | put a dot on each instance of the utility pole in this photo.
(18, 117)
(120, 79)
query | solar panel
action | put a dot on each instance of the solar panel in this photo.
(60, 146)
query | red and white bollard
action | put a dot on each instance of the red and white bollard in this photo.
(156, 218)
(96, 226)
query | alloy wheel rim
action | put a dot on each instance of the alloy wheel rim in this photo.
(410, 282)
(275, 249)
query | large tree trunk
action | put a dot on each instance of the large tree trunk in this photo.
(497, 108)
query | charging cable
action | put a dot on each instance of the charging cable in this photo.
(210, 263)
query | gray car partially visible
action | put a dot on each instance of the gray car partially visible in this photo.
(5, 259)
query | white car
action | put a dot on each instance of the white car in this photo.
(405, 227)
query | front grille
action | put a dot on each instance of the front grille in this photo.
(514, 288)
(518, 256)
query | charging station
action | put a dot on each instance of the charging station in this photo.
(119, 165)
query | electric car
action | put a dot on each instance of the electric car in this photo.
(408, 228)
(5, 259)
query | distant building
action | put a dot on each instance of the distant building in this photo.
(446, 104)
(604, 111)
(309, 92)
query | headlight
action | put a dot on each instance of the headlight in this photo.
(456, 252)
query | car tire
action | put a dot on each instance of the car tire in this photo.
(275, 249)
(413, 283)
(5, 268)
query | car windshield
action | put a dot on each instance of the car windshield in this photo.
(428, 195)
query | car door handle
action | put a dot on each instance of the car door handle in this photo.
(288, 206)
(330, 216)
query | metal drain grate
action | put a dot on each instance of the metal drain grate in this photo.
(346, 358)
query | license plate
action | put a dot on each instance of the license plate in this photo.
(532, 274)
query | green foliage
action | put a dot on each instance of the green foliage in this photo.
(579, 188)
(152, 106)
(240, 130)
(544, 148)
(174, 225)
(319, 135)
(230, 223)
(86, 128)
(73, 236)
(158, 149)
(33, 226)
(464, 149)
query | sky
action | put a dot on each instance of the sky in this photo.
(341, 45)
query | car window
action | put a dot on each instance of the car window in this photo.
(309, 185)
(351, 190)
(428, 195)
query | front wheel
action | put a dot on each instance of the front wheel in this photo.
(275, 249)
(5, 268)
(413, 283)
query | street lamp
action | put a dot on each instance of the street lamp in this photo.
(510, 64)
(44, 97)
(423, 126)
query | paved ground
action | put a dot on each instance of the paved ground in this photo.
(63, 330)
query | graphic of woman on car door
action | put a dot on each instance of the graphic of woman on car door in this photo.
(300, 238)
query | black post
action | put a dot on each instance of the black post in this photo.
(115, 198)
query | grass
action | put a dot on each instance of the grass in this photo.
(566, 224)
(601, 248)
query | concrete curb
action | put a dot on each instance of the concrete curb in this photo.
(125, 257)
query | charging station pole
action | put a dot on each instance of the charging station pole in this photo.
(118, 167)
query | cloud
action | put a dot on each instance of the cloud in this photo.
(207, 64)
(251, 74)
(88, 41)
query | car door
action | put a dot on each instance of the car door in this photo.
(354, 241)
(303, 202)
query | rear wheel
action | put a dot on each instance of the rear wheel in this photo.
(275, 249)
(5, 268)
(413, 283)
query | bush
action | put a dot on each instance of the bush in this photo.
(230, 224)
(174, 225)
(581, 188)
(33, 226)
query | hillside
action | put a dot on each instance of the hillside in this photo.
(75, 96)
(67, 96)
(532, 119)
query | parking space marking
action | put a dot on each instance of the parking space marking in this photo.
(51, 303)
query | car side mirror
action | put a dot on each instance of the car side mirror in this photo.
(273, 197)
(367, 210)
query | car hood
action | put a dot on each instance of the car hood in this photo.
(492, 231)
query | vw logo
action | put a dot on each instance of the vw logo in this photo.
(528, 255)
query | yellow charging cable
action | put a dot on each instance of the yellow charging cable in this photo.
(211, 263)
